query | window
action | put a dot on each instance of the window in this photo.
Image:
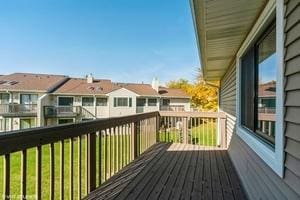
(4, 98)
(65, 121)
(166, 102)
(122, 102)
(27, 123)
(87, 101)
(258, 87)
(130, 102)
(152, 102)
(141, 102)
(28, 98)
(65, 101)
(101, 102)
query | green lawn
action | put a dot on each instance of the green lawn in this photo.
(111, 160)
(201, 134)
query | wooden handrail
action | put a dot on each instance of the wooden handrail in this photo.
(23, 139)
(192, 114)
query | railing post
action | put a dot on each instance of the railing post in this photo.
(134, 140)
(91, 137)
(222, 129)
(157, 127)
(185, 130)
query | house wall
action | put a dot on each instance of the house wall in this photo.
(121, 111)
(180, 101)
(292, 94)
(258, 179)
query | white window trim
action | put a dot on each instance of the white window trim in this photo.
(125, 97)
(88, 97)
(274, 158)
(57, 100)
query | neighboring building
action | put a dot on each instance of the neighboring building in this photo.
(253, 49)
(21, 95)
(30, 100)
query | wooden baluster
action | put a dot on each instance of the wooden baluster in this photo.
(100, 158)
(71, 170)
(106, 155)
(61, 169)
(38, 173)
(86, 164)
(6, 177)
(118, 147)
(110, 154)
(52, 172)
(91, 162)
(23, 174)
(134, 140)
(79, 167)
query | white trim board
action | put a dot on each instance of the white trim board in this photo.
(274, 158)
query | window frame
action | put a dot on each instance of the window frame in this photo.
(152, 104)
(106, 101)
(87, 97)
(116, 103)
(1, 98)
(58, 97)
(251, 125)
(30, 97)
(273, 157)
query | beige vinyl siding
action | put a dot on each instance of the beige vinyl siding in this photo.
(292, 94)
(258, 179)
(228, 100)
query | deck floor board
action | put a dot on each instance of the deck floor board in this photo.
(175, 171)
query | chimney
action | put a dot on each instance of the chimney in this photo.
(155, 84)
(89, 78)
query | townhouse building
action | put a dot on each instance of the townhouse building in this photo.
(30, 100)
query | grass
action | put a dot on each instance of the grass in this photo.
(202, 134)
(112, 160)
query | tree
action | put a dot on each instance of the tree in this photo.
(203, 96)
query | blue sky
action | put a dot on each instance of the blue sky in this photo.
(123, 40)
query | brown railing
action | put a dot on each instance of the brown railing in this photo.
(62, 111)
(69, 161)
(175, 108)
(200, 128)
(12, 109)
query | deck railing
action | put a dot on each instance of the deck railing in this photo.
(175, 108)
(200, 128)
(69, 161)
(18, 109)
(62, 111)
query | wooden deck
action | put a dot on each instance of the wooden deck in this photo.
(175, 171)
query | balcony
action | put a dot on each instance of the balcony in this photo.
(62, 111)
(166, 155)
(18, 110)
